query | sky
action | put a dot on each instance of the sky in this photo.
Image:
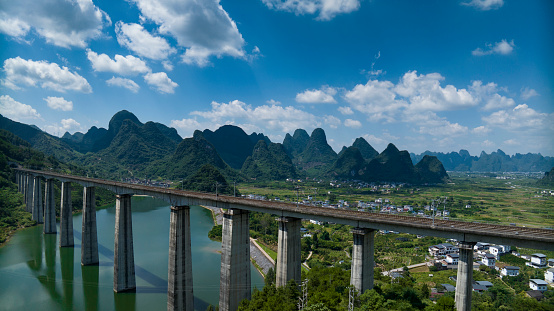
(424, 75)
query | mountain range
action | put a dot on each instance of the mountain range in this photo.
(497, 161)
(129, 146)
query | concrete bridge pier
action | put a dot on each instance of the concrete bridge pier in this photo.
(124, 258)
(37, 200)
(49, 207)
(288, 251)
(89, 241)
(361, 274)
(66, 216)
(235, 260)
(464, 282)
(179, 279)
(29, 194)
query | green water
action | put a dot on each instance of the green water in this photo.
(35, 274)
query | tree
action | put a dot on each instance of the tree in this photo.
(445, 304)
(371, 300)
(317, 307)
(270, 277)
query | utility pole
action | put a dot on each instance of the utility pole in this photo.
(433, 207)
(303, 299)
(351, 294)
(297, 196)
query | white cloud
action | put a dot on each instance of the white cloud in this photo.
(345, 110)
(326, 9)
(186, 125)
(122, 82)
(503, 47)
(426, 94)
(67, 125)
(488, 94)
(59, 103)
(522, 117)
(481, 130)
(203, 27)
(374, 140)
(352, 123)
(15, 110)
(321, 96)
(332, 121)
(485, 5)
(123, 65)
(161, 82)
(139, 40)
(377, 99)
(270, 117)
(431, 124)
(167, 65)
(511, 142)
(487, 143)
(527, 93)
(44, 74)
(273, 102)
(64, 23)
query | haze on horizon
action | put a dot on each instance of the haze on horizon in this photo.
(471, 74)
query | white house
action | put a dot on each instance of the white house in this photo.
(452, 259)
(498, 250)
(549, 275)
(316, 222)
(481, 246)
(537, 284)
(509, 271)
(538, 260)
(442, 249)
(489, 260)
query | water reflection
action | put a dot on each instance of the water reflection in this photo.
(67, 260)
(48, 281)
(125, 301)
(90, 286)
(34, 250)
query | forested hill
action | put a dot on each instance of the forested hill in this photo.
(497, 161)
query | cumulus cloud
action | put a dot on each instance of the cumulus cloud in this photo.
(271, 117)
(527, 93)
(431, 124)
(326, 9)
(377, 99)
(15, 110)
(321, 96)
(503, 48)
(161, 82)
(139, 40)
(125, 83)
(345, 110)
(123, 65)
(188, 125)
(64, 23)
(481, 130)
(352, 123)
(332, 121)
(67, 125)
(273, 102)
(20, 72)
(204, 28)
(59, 103)
(522, 117)
(485, 5)
(487, 143)
(489, 95)
(425, 93)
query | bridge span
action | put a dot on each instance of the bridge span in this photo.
(235, 270)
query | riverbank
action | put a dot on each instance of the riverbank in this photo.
(261, 260)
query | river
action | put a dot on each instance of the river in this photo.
(35, 274)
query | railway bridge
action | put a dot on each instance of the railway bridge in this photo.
(235, 257)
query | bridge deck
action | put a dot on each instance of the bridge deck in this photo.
(462, 231)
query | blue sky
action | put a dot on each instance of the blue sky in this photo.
(424, 75)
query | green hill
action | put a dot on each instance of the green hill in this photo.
(318, 153)
(232, 144)
(206, 178)
(548, 179)
(296, 144)
(268, 162)
(367, 151)
(430, 170)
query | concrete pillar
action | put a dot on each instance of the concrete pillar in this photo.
(49, 208)
(89, 241)
(124, 258)
(235, 260)
(66, 219)
(361, 273)
(37, 200)
(24, 187)
(29, 194)
(464, 282)
(288, 251)
(179, 279)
